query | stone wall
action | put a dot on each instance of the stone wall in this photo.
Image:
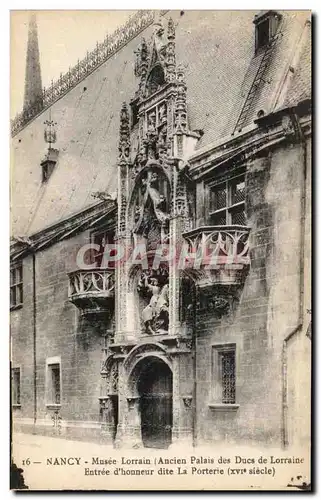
(60, 331)
(267, 312)
(268, 309)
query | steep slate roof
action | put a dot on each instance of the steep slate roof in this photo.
(285, 48)
(300, 87)
(217, 49)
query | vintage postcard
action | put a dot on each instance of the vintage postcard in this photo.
(160, 280)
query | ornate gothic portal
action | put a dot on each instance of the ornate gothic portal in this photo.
(156, 300)
(152, 345)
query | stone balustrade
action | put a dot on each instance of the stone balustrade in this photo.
(217, 254)
(92, 290)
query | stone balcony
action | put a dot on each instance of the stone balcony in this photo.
(92, 291)
(221, 254)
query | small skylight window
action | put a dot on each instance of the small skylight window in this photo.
(266, 24)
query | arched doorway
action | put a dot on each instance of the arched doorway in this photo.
(156, 406)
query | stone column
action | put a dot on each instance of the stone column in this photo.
(129, 424)
(125, 304)
(107, 419)
(122, 406)
(133, 436)
(107, 410)
(182, 429)
(174, 277)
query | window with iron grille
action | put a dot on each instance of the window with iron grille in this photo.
(53, 384)
(228, 376)
(15, 386)
(227, 203)
(16, 286)
(224, 374)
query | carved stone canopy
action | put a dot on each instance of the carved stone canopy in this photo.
(155, 61)
(159, 109)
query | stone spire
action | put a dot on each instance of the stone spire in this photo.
(33, 85)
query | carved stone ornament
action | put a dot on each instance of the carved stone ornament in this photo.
(288, 126)
(152, 189)
(189, 344)
(155, 61)
(159, 105)
(132, 401)
(219, 300)
(105, 365)
(114, 378)
(187, 400)
(124, 135)
(291, 126)
(104, 402)
(181, 110)
(183, 343)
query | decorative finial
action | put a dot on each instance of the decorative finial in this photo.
(158, 25)
(50, 134)
(124, 134)
(170, 29)
(180, 108)
(170, 51)
(141, 63)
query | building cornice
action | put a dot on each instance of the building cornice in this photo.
(90, 218)
(268, 131)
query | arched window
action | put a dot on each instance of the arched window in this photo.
(156, 79)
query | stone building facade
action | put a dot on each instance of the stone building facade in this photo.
(183, 146)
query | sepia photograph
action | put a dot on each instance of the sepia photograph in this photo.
(160, 250)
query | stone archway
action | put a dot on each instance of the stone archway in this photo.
(151, 383)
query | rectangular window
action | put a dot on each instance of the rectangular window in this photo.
(227, 362)
(266, 25)
(15, 381)
(134, 113)
(103, 238)
(227, 203)
(53, 382)
(263, 33)
(45, 172)
(16, 286)
(224, 374)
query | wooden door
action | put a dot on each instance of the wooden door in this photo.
(155, 387)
